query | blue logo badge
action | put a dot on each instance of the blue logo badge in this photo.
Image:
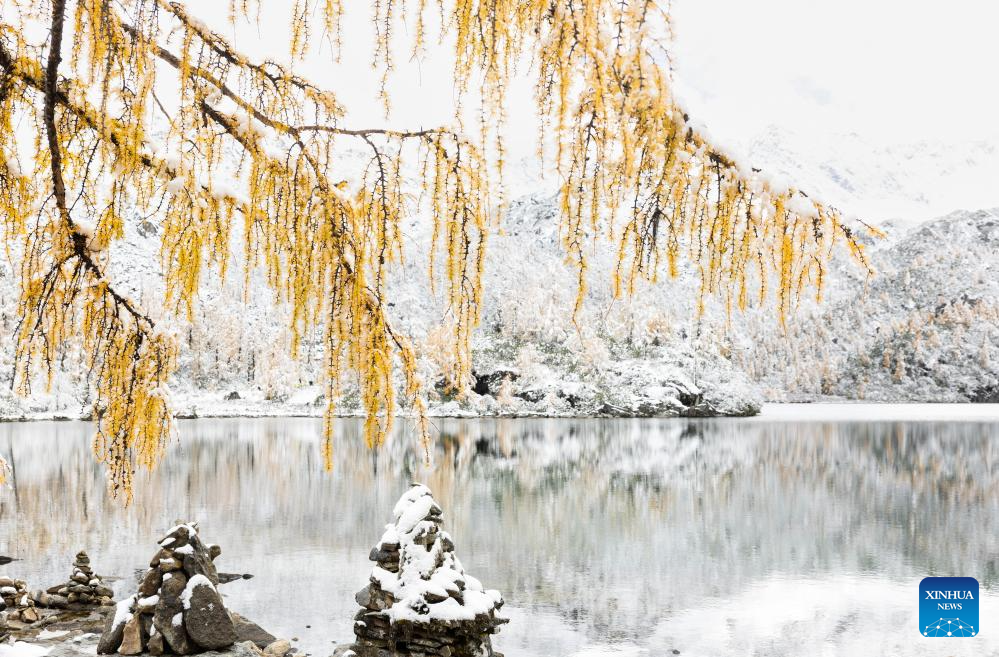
(948, 607)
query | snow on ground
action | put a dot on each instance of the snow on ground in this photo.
(22, 649)
(47, 634)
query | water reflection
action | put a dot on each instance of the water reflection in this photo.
(638, 534)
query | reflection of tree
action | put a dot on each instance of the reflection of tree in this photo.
(609, 523)
(12, 468)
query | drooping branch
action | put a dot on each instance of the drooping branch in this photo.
(251, 151)
(65, 287)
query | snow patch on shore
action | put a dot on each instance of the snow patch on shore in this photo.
(22, 649)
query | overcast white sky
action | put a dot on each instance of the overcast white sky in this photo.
(883, 72)
(891, 69)
(888, 69)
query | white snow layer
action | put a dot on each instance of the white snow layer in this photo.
(419, 573)
(22, 649)
(123, 611)
(194, 582)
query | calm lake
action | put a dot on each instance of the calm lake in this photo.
(763, 536)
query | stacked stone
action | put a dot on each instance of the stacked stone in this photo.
(84, 588)
(419, 601)
(177, 609)
(15, 601)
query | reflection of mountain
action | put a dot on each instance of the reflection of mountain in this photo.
(595, 530)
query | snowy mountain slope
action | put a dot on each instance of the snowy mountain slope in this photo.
(910, 182)
(926, 328)
(625, 357)
(632, 356)
(923, 329)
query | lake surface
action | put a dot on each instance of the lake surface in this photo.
(758, 536)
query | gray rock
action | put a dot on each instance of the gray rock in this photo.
(150, 583)
(245, 649)
(225, 578)
(370, 597)
(57, 601)
(344, 651)
(146, 606)
(111, 636)
(155, 645)
(167, 609)
(180, 535)
(162, 554)
(423, 635)
(207, 622)
(199, 561)
(380, 554)
(247, 630)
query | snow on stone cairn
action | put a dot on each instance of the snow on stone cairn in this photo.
(419, 600)
(177, 608)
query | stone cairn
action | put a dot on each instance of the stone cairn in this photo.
(15, 601)
(177, 609)
(84, 588)
(420, 602)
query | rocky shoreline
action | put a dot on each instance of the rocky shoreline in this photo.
(77, 632)
(419, 602)
(170, 613)
(532, 405)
